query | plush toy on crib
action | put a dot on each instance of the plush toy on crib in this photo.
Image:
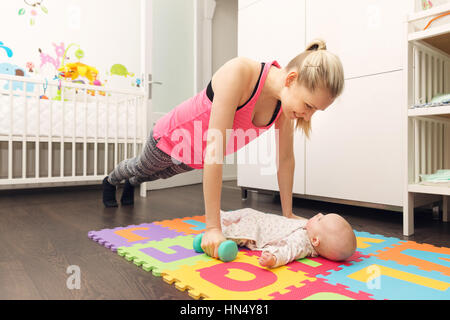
(74, 71)
(78, 72)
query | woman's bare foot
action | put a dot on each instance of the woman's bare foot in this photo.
(267, 259)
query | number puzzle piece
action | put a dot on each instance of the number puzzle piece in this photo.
(242, 278)
(390, 280)
(188, 225)
(320, 290)
(424, 256)
(167, 254)
(368, 243)
(130, 235)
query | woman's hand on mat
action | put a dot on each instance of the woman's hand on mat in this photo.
(211, 241)
(293, 216)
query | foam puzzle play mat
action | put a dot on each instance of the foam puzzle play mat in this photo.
(381, 268)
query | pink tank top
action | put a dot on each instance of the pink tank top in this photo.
(183, 131)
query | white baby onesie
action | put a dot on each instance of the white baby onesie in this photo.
(285, 238)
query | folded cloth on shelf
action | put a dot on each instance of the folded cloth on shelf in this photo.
(437, 101)
(441, 98)
(441, 178)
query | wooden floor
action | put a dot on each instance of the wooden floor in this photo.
(43, 232)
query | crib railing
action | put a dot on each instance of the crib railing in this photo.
(431, 143)
(431, 73)
(67, 157)
(431, 134)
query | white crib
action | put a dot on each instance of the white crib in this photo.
(75, 140)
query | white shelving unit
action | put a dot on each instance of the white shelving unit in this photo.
(427, 130)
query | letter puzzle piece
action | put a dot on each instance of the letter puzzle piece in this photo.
(424, 256)
(167, 254)
(186, 226)
(242, 278)
(318, 265)
(315, 266)
(320, 290)
(130, 235)
(390, 280)
(368, 243)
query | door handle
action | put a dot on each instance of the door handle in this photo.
(150, 83)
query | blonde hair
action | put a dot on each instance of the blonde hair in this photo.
(317, 67)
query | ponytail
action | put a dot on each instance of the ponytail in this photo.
(316, 45)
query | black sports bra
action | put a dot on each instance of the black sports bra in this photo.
(210, 95)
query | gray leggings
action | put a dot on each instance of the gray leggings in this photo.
(151, 164)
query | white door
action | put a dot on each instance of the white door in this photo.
(170, 65)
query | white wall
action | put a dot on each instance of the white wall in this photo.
(108, 31)
(225, 32)
(224, 48)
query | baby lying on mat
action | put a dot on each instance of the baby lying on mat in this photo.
(283, 240)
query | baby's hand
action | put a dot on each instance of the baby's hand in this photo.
(267, 259)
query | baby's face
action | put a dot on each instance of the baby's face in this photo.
(316, 223)
(335, 236)
(311, 220)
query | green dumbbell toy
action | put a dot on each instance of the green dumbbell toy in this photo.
(227, 249)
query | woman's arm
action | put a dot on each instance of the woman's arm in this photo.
(285, 162)
(285, 177)
(229, 84)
